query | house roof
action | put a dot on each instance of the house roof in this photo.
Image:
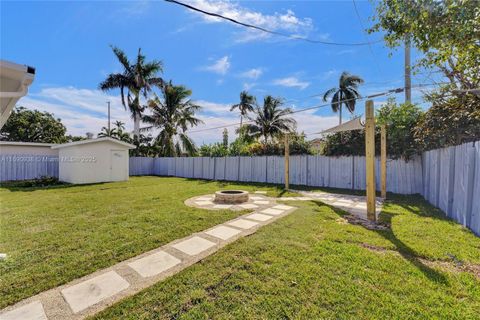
(25, 144)
(88, 141)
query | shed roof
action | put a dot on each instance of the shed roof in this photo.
(88, 141)
(26, 144)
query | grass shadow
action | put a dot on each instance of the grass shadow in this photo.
(403, 249)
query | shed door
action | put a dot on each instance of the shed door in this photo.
(118, 165)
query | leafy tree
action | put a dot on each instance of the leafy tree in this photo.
(400, 121)
(137, 78)
(446, 32)
(348, 143)
(33, 126)
(448, 122)
(173, 115)
(214, 150)
(346, 93)
(271, 120)
(71, 138)
(246, 105)
(145, 147)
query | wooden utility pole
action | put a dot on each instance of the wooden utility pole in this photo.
(408, 79)
(108, 103)
(287, 163)
(383, 161)
(370, 159)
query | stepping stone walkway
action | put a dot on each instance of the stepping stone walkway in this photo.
(355, 205)
(86, 296)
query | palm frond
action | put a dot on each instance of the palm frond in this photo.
(328, 93)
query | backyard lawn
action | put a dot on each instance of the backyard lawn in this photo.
(310, 264)
(61, 233)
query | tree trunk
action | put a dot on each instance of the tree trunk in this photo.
(240, 132)
(136, 126)
(340, 111)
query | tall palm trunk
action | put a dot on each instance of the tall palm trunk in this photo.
(136, 126)
(340, 111)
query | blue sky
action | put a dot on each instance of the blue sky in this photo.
(68, 44)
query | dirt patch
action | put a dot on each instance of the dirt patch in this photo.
(374, 248)
(370, 225)
(454, 266)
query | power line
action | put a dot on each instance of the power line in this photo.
(277, 33)
(307, 109)
(375, 95)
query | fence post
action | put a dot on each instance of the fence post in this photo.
(370, 159)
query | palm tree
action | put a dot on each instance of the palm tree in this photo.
(271, 120)
(173, 115)
(346, 94)
(117, 132)
(137, 79)
(246, 105)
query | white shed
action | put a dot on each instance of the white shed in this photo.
(93, 160)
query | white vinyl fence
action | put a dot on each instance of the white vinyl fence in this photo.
(452, 182)
(318, 171)
(24, 167)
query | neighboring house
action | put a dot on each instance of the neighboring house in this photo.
(14, 82)
(27, 148)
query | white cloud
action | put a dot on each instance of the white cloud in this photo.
(85, 110)
(220, 66)
(81, 110)
(287, 21)
(254, 73)
(292, 82)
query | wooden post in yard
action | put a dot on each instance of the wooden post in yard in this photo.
(370, 159)
(383, 161)
(287, 162)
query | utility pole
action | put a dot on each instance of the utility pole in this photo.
(408, 79)
(108, 103)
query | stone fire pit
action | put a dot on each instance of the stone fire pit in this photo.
(231, 196)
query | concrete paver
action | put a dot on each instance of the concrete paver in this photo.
(223, 232)
(248, 206)
(204, 203)
(259, 217)
(274, 212)
(154, 264)
(282, 207)
(92, 291)
(222, 206)
(194, 245)
(261, 202)
(243, 224)
(31, 311)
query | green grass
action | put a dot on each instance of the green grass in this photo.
(311, 265)
(60, 233)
